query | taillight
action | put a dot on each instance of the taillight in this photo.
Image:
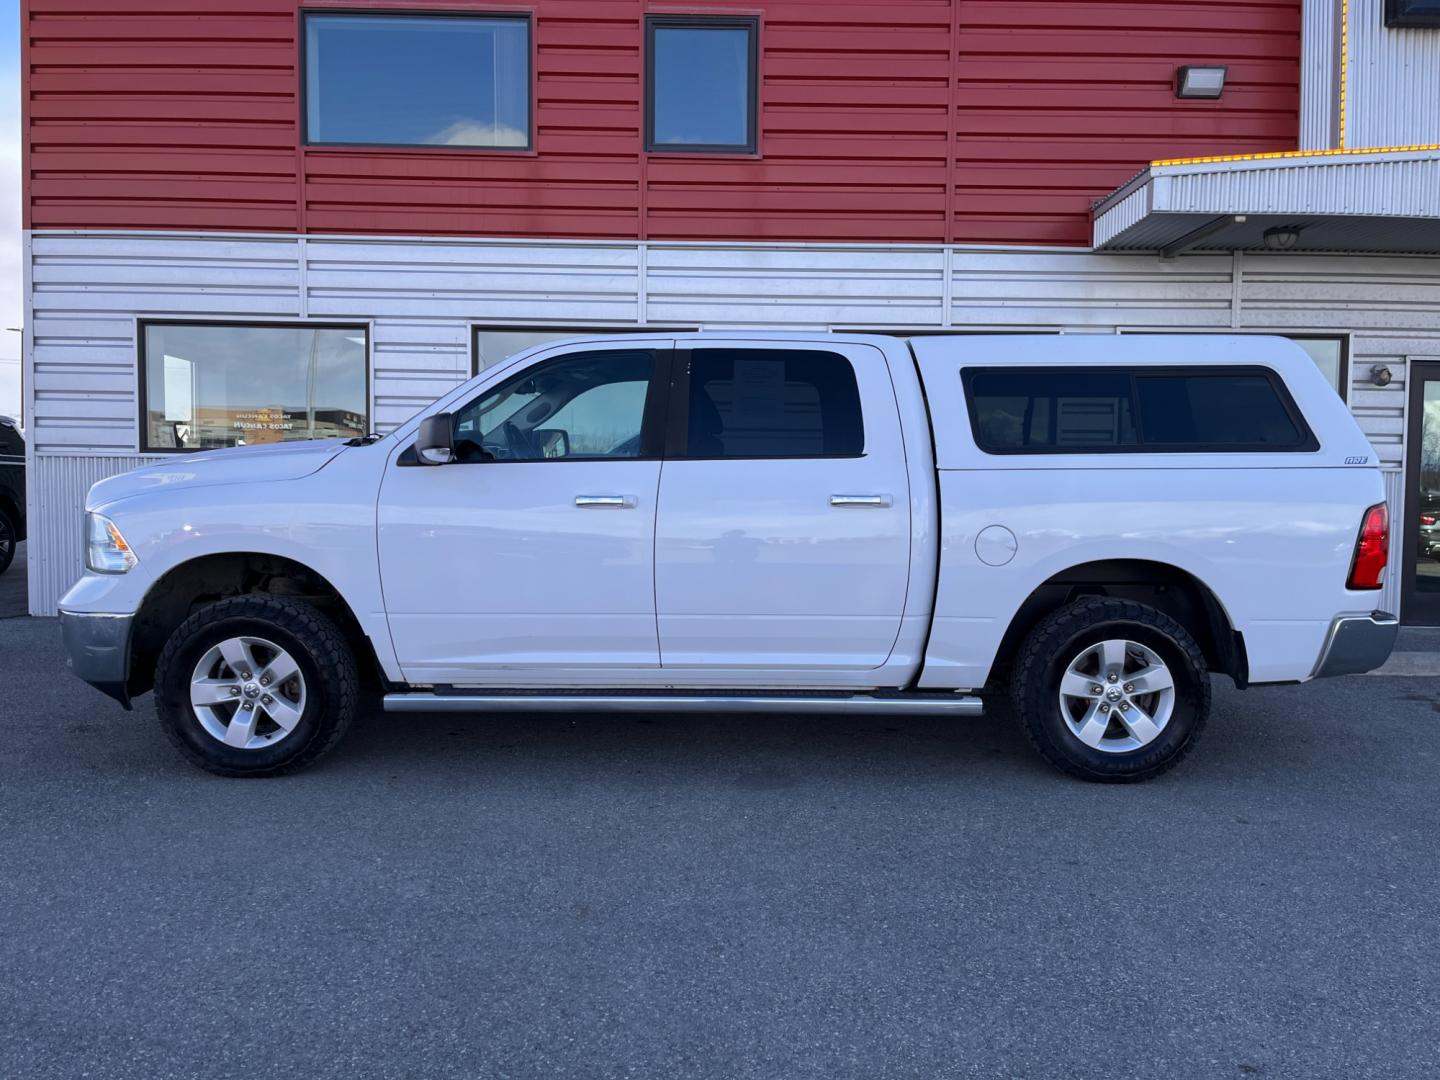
(1371, 550)
(1427, 519)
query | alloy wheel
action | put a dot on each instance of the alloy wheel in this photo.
(1117, 695)
(247, 692)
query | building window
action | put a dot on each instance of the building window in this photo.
(418, 80)
(700, 84)
(1412, 12)
(207, 385)
(771, 403)
(1330, 356)
(496, 343)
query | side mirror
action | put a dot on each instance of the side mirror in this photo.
(435, 442)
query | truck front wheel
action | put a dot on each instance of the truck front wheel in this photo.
(1111, 690)
(256, 685)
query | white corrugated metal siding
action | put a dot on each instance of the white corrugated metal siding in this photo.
(1392, 81)
(1392, 198)
(55, 491)
(422, 296)
(1369, 185)
(1320, 74)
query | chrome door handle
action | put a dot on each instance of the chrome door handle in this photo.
(861, 501)
(606, 502)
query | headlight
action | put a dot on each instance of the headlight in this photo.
(106, 551)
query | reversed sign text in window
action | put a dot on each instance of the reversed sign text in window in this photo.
(208, 386)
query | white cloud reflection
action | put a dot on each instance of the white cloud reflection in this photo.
(477, 133)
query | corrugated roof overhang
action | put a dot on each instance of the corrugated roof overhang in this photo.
(1352, 202)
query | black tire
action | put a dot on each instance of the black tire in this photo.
(1061, 637)
(9, 537)
(325, 660)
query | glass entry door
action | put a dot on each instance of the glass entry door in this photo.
(1420, 588)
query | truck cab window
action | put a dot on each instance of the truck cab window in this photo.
(773, 403)
(587, 405)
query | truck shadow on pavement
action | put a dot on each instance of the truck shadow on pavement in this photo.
(758, 753)
(1285, 736)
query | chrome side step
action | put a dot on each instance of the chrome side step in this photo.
(789, 704)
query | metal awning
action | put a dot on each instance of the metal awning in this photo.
(1346, 201)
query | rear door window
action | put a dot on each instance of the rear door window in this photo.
(771, 403)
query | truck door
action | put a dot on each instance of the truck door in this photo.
(533, 551)
(783, 533)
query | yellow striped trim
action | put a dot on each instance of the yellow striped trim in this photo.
(1297, 154)
(1344, 80)
(1344, 62)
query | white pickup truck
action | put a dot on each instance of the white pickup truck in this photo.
(762, 522)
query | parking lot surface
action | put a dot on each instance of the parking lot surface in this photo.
(724, 897)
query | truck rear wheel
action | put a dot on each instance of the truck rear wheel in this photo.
(256, 685)
(1111, 690)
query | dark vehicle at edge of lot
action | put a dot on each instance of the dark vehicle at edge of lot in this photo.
(12, 490)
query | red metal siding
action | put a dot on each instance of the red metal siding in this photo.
(986, 121)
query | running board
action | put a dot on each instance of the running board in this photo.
(789, 704)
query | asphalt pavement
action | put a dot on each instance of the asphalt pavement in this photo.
(719, 897)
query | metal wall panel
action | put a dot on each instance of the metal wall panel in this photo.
(1391, 80)
(56, 496)
(967, 121)
(1379, 185)
(1320, 75)
(794, 287)
(1082, 289)
(1344, 202)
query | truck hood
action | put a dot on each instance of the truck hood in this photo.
(238, 465)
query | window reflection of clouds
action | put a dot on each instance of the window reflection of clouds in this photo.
(702, 86)
(421, 80)
(476, 133)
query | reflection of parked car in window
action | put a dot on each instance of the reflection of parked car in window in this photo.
(762, 522)
(12, 490)
(1428, 546)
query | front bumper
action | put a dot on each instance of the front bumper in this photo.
(1357, 644)
(99, 649)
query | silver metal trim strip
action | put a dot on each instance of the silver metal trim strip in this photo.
(686, 703)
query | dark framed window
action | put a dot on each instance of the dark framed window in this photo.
(1402, 13)
(491, 344)
(764, 403)
(701, 84)
(209, 385)
(1051, 410)
(390, 79)
(591, 405)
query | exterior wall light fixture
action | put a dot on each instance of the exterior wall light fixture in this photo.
(1282, 237)
(1194, 81)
